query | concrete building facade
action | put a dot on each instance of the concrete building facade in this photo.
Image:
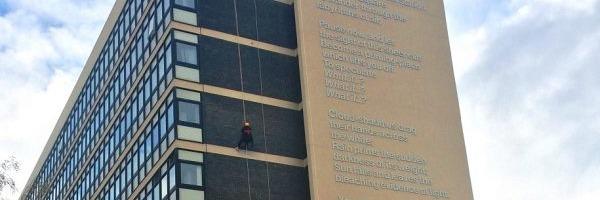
(346, 99)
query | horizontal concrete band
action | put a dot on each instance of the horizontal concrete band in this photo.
(221, 150)
(237, 94)
(289, 2)
(234, 39)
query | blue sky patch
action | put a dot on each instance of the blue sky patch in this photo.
(3, 7)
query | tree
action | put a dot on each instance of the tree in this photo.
(6, 167)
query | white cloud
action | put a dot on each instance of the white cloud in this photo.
(43, 47)
(528, 88)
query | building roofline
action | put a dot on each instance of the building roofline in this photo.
(85, 73)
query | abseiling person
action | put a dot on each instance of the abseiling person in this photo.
(246, 139)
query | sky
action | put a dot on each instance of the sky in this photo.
(527, 73)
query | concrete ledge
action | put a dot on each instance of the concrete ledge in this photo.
(237, 94)
(221, 150)
(233, 38)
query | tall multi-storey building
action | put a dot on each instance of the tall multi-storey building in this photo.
(347, 99)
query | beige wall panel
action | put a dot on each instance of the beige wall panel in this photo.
(399, 69)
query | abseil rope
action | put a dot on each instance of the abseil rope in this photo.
(237, 29)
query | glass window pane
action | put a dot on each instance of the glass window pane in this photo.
(185, 3)
(191, 156)
(172, 178)
(170, 115)
(188, 37)
(163, 185)
(187, 74)
(191, 174)
(187, 194)
(189, 95)
(187, 53)
(189, 133)
(185, 17)
(156, 192)
(189, 112)
(168, 57)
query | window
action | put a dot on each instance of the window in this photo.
(163, 185)
(186, 73)
(189, 95)
(187, 53)
(185, 17)
(172, 178)
(170, 117)
(191, 174)
(185, 3)
(168, 56)
(187, 194)
(189, 112)
(188, 37)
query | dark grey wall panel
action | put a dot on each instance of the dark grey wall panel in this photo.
(276, 23)
(285, 132)
(225, 178)
(289, 183)
(250, 69)
(263, 20)
(219, 63)
(282, 134)
(222, 120)
(247, 19)
(228, 178)
(217, 15)
(259, 181)
(281, 76)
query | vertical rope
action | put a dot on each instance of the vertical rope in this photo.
(239, 51)
(262, 106)
(237, 30)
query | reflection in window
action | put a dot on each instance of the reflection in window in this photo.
(189, 112)
(191, 174)
(185, 3)
(187, 53)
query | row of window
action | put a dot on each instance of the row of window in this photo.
(180, 177)
(161, 185)
(129, 19)
(189, 108)
(152, 85)
(149, 93)
(147, 152)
